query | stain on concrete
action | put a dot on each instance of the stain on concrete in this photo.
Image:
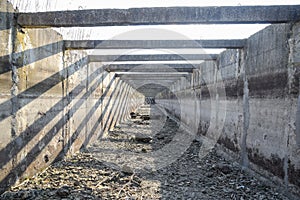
(274, 164)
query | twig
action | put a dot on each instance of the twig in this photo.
(128, 183)
(106, 179)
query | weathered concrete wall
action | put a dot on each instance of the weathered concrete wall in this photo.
(6, 82)
(36, 104)
(262, 87)
(270, 102)
(52, 102)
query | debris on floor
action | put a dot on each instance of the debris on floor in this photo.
(83, 176)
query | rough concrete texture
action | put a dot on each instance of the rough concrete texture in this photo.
(5, 72)
(262, 87)
(152, 57)
(149, 67)
(6, 48)
(155, 16)
(152, 44)
(38, 107)
(36, 104)
(52, 102)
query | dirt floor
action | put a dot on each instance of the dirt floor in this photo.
(124, 165)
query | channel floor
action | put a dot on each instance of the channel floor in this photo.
(124, 164)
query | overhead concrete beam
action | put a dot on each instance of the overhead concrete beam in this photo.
(155, 16)
(152, 74)
(152, 57)
(140, 81)
(144, 77)
(143, 83)
(153, 44)
(150, 67)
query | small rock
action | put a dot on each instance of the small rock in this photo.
(133, 115)
(145, 117)
(76, 183)
(148, 168)
(204, 191)
(142, 138)
(228, 190)
(160, 137)
(63, 191)
(224, 168)
(126, 169)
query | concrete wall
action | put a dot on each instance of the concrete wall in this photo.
(52, 102)
(261, 83)
(6, 82)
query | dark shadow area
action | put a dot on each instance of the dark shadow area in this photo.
(6, 22)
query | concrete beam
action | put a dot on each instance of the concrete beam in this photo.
(152, 57)
(152, 44)
(150, 67)
(144, 77)
(169, 15)
(155, 74)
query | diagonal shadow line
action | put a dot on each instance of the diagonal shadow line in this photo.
(109, 114)
(112, 110)
(116, 110)
(92, 111)
(90, 114)
(21, 140)
(41, 87)
(29, 56)
(102, 114)
(82, 124)
(126, 103)
(93, 130)
(96, 125)
(31, 156)
(123, 104)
